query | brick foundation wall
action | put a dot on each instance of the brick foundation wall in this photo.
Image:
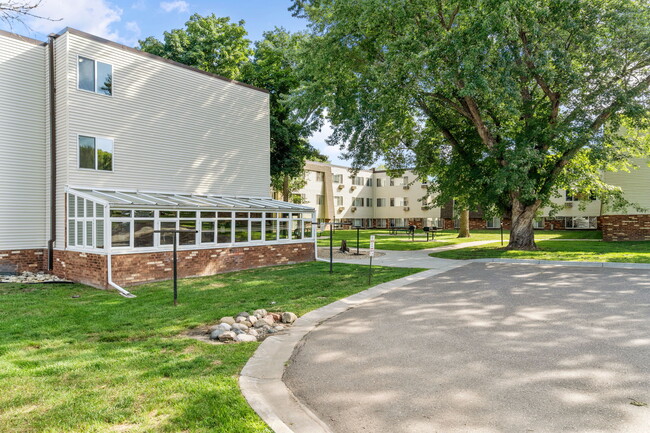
(130, 269)
(85, 268)
(626, 227)
(23, 260)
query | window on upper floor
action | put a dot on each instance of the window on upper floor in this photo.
(320, 176)
(95, 76)
(368, 202)
(392, 202)
(392, 182)
(358, 202)
(337, 178)
(338, 199)
(380, 182)
(369, 181)
(320, 200)
(381, 202)
(95, 153)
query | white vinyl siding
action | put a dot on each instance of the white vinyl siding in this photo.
(22, 144)
(635, 185)
(174, 129)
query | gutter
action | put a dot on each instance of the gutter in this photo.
(52, 240)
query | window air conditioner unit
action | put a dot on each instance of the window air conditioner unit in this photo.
(406, 187)
(353, 208)
(340, 186)
(424, 185)
(353, 187)
(568, 204)
(424, 208)
(341, 209)
(406, 208)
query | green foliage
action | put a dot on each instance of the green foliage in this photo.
(273, 68)
(209, 43)
(502, 102)
(77, 359)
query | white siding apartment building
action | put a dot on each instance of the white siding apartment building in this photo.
(102, 146)
(372, 199)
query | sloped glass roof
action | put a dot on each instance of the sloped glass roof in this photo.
(139, 199)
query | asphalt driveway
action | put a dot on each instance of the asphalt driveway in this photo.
(486, 348)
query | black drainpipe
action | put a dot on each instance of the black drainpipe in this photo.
(50, 243)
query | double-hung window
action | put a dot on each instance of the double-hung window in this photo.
(95, 153)
(95, 76)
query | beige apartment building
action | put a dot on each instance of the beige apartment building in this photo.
(369, 198)
(372, 199)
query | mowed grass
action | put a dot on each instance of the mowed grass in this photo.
(102, 363)
(402, 242)
(580, 251)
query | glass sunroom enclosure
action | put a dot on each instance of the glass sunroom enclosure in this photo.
(125, 221)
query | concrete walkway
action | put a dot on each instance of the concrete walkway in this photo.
(413, 259)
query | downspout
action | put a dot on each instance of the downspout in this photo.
(109, 257)
(111, 283)
(50, 242)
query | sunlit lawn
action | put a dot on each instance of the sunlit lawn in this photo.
(103, 363)
(629, 252)
(403, 242)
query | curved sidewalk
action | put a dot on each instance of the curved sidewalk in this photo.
(261, 378)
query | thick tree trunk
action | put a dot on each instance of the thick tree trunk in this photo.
(522, 235)
(463, 231)
(285, 188)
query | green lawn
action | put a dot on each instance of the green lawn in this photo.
(581, 251)
(103, 363)
(402, 242)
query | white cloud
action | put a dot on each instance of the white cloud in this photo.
(139, 5)
(97, 17)
(133, 27)
(178, 6)
(332, 152)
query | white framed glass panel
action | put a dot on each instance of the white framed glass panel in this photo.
(120, 233)
(167, 238)
(207, 231)
(99, 233)
(104, 85)
(224, 231)
(86, 74)
(309, 230)
(104, 154)
(189, 237)
(86, 152)
(89, 233)
(256, 230)
(143, 234)
(271, 230)
(241, 230)
(71, 205)
(71, 233)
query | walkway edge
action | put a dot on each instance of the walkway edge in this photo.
(619, 265)
(261, 378)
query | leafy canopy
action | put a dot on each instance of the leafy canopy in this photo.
(503, 102)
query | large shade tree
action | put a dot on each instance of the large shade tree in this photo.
(503, 102)
(273, 67)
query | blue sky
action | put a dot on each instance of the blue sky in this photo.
(127, 21)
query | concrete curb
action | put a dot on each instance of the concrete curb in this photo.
(620, 265)
(261, 378)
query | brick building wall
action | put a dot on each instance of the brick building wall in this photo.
(626, 227)
(23, 260)
(130, 269)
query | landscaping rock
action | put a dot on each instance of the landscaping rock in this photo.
(229, 320)
(260, 313)
(243, 314)
(260, 324)
(240, 319)
(289, 318)
(227, 336)
(252, 319)
(214, 335)
(225, 326)
(279, 328)
(276, 317)
(253, 332)
(238, 331)
(240, 326)
(269, 319)
(245, 338)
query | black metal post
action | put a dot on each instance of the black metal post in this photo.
(175, 273)
(331, 249)
(358, 240)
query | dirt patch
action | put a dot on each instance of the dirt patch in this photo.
(324, 253)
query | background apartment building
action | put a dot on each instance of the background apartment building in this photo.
(369, 198)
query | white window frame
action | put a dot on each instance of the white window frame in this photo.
(79, 56)
(112, 170)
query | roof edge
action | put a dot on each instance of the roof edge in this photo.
(22, 38)
(110, 43)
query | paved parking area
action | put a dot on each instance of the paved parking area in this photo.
(486, 348)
